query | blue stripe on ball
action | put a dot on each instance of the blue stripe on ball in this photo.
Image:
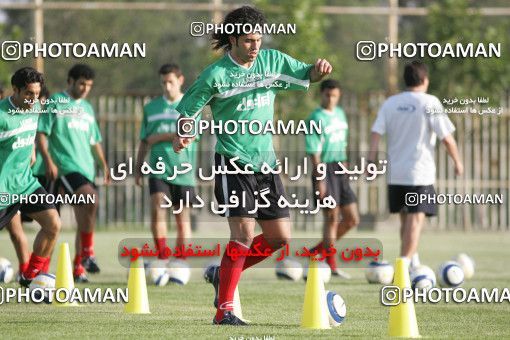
(445, 274)
(332, 311)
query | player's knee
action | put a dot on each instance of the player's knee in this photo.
(352, 222)
(53, 226)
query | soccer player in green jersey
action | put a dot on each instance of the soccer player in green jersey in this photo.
(156, 134)
(329, 148)
(242, 85)
(18, 123)
(69, 140)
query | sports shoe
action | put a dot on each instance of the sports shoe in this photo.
(90, 264)
(81, 278)
(212, 276)
(37, 294)
(229, 319)
(341, 274)
(23, 281)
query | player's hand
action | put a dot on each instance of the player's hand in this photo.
(180, 143)
(459, 169)
(51, 171)
(321, 69)
(138, 178)
(107, 180)
(320, 186)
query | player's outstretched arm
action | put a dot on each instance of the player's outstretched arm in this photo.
(98, 151)
(320, 70)
(180, 143)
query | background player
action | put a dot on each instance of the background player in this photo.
(411, 131)
(329, 148)
(157, 131)
(18, 123)
(69, 139)
(244, 62)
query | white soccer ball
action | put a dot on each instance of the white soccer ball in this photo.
(6, 270)
(336, 308)
(289, 269)
(379, 272)
(450, 274)
(467, 264)
(179, 271)
(158, 273)
(43, 281)
(324, 270)
(422, 277)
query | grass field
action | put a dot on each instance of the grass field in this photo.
(273, 306)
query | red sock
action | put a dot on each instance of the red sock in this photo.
(46, 267)
(180, 243)
(35, 265)
(78, 268)
(262, 243)
(161, 246)
(87, 244)
(230, 273)
(330, 260)
(23, 267)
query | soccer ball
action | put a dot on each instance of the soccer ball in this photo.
(379, 272)
(289, 269)
(158, 274)
(6, 271)
(43, 281)
(179, 271)
(422, 277)
(450, 274)
(324, 270)
(467, 264)
(336, 308)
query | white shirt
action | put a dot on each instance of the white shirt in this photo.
(411, 131)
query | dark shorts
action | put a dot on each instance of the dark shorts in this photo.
(7, 213)
(337, 185)
(249, 184)
(175, 192)
(51, 187)
(404, 198)
(73, 181)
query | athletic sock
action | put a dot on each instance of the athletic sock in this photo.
(46, 267)
(35, 266)
(415, 260)
(87, 243)
(230, 273)
(161, 246)
(78, 268)
(23, 267)
(262, 244)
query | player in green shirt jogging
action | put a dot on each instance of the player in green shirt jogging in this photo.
(18, 123)
(242, 85)
(157, 131)
(69, 139)
(329, 148)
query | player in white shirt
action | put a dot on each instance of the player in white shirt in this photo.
(412, 121)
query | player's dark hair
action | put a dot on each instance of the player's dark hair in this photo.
(26, 75)
(81, 70)
(242, 15)
(330, 84)
(44, 92)
(170, 68)
(415, 73)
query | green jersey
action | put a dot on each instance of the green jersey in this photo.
(332, 142)
(71, 128)
(236, 93)
(17, 136)
(159, 116)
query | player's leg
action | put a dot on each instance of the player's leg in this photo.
(411, 234)
(231, 267)
(350, 219)
(19, 240)
(183, 222)
(43, 244)
(159, 223)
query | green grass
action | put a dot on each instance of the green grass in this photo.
(273, 306)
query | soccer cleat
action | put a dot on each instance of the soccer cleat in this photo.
(229, 319)
(90, 265)
(212, 275)
(23, 281)
(81, 278)
(341, 274)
